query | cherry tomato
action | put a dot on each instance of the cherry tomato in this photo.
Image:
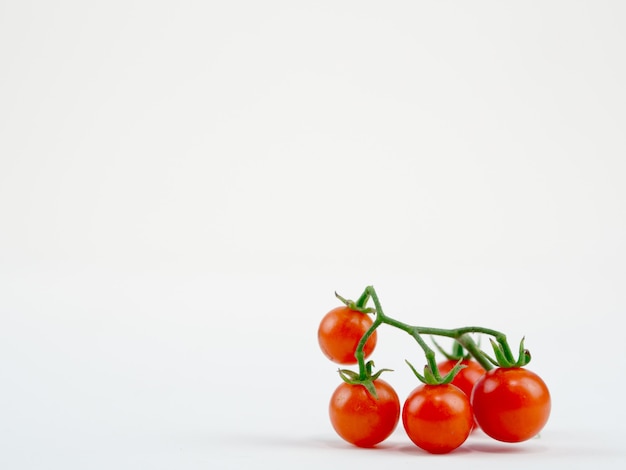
(361, 419)
(340, 331)
(466, 377)
(512, 404)
(437, 418)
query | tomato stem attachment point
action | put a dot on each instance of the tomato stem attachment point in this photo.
(359, 305)
(433, 377)
(367, 379)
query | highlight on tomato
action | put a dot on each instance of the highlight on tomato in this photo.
(340, 331)
(437, 418)
(511, 404)
(362, 419)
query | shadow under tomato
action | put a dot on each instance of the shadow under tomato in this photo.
(337, 443)
(502, 448)
(413, 449)
(475, 444)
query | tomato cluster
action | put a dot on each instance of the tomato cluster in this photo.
(509, 403)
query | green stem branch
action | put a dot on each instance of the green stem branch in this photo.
(461, 335)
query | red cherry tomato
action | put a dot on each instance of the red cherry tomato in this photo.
(466, 377)
(511, 404)
(340, 331)
(437, 418)
(361, 419)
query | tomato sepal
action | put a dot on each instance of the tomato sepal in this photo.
(353, 378)
(504, 358)
(431, 377)
(359, 305)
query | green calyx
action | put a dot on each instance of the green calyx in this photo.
(433, 377)
(504, 357)
(353, 378)
(359, 305)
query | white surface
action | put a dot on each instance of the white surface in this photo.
(183, 185)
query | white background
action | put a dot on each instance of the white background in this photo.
(183, 186)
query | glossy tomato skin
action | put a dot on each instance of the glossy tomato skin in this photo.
(467, 377)
(511, 404)
(359, 418)
(437, 418)
(340, 331)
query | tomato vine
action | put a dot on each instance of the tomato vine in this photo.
(502, 351)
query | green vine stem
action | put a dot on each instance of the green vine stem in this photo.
(461, 335)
